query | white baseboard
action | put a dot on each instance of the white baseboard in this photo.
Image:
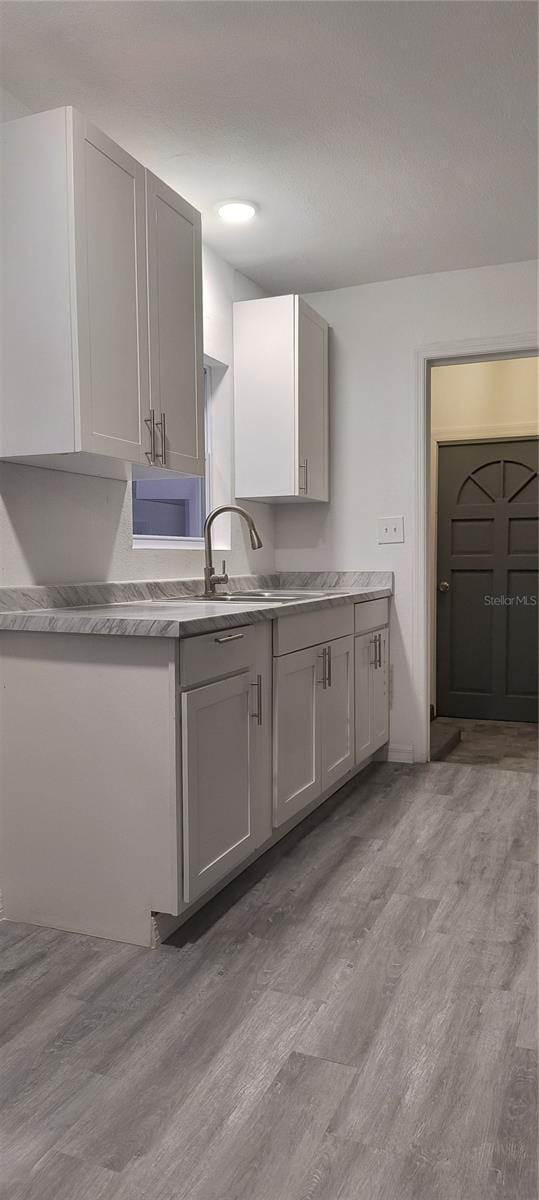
(396, 753)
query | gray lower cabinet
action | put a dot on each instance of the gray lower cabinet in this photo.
(297, 679)
(149, 781)
(226, 738)
(313, 726)
(219, 781)
(371, 692)
(337, 733)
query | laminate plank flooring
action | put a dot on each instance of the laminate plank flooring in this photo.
(509, 745)
(355, 1019)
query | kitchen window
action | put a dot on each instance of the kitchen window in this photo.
(169, 510)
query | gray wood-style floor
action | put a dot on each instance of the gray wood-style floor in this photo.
(510, 745)
(359, 1023)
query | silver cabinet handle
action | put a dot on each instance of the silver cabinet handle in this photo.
(150, 424)
(372, 657)
(258, 686)
(380, 650)
(229, 637)
(443, 586)
(304, 466)
(324, 679)
(162, 426)
(329, 665)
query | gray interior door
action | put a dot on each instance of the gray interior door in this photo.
(487, 580)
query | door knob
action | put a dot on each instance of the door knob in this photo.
(443, 586)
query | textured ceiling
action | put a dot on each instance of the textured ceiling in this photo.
(380, 139)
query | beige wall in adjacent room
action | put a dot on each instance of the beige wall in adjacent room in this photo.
(484, 399)
(495, 399)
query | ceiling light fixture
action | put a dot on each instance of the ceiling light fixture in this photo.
(236, 212)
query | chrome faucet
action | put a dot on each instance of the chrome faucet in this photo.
(211, 578)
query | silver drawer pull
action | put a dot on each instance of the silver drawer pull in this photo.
(304, 466)
(324, 657)
(229, 637)
(162, 426)
(258, 686)
(150, 424)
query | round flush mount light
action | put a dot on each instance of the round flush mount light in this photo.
(236, 212)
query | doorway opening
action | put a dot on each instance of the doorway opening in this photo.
(483, 551)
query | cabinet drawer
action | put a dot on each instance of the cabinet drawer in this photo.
(371, 615)
(213, 655)
(310, 629)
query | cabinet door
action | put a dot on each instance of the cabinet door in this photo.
(111, 295)
(364, 652)
(219, 780)
(380, 692)
(312, 402)
(337, 712)
(175, 321)
(296, 735)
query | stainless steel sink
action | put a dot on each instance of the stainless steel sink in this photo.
(279, 595)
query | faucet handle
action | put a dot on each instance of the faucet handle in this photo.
(223, 577)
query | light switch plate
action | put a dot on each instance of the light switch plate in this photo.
(390, 529)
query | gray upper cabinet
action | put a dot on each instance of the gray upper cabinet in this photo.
(280, 400)
(101, 305)
(175, 327)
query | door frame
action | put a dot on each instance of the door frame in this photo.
(428, 356)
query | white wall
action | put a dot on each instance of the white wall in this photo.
(376, 331)
(57, 527)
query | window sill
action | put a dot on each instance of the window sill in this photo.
(143, 541)
(148, 542)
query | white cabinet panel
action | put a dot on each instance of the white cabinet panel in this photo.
(264, 397)
(36, 374)
(88, 779)
(313, 727)
(214, 655)
(110, 257)
(80, 226)
(371, 692)
(312, 387)
(312, 629)
(226, 755)
(175, 287)
(219, 781)
(337, 712)
(363, 669)
(296, 738)
(380, 703)
(371, 614)
(281, 400)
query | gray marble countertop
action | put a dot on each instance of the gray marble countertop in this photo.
(157, 613)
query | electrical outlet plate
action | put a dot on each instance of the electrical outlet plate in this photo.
(390, 529)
